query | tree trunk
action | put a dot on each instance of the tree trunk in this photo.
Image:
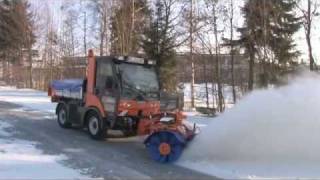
(265, 77)
(251, 69)
(103, 28)
(72, 42)
(4, 67)
(308, 37)
(191, 57)
(312, 63)
(101, 43)
(206, 82)
(234, 94)
(85, 34)
(106, 41)
(311, 59)
(30, 67)
(218, 80)
(217, 66)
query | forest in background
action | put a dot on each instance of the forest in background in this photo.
(45, 40)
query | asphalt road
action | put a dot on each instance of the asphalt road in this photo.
(111, 159)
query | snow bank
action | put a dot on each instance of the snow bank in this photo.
(270, 133)
(30, 99)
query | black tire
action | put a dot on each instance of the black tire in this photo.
(62, 119)
(96, 128)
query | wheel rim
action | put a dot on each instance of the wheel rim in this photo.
(93, 125)
(62, 116)
(164, 149)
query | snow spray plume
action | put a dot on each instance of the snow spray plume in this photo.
(278, 125)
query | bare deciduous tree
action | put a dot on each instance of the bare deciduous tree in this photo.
(104, 9)
(308, 15)
(128, 23)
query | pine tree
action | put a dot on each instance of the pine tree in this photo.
(159, 43)
(16, 33)
(269, 26)
(283, 25)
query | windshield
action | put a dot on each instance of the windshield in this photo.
(138, 80)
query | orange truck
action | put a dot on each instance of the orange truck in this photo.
(122, 93)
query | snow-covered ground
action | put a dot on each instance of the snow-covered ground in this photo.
(270, 134)
(20, 159)
(28, 98)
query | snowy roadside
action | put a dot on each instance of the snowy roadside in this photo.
(20, 159)
(28, 98)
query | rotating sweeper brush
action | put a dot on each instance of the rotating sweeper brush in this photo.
(169, 138)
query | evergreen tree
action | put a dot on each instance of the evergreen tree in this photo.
(269, 26)
(283, 25)
(16, 32)
(159, 43)
(16, 25)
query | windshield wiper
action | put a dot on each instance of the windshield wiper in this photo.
(135, 89)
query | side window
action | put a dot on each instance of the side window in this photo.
(105, 83)
(104, 76)
(105, 69)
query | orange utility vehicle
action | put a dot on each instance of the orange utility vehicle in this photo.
(122, 93)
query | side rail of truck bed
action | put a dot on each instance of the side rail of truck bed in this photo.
(70, 88)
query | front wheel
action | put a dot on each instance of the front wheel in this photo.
(63, 117)
(95, 126)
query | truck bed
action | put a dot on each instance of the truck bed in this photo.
(69, 88)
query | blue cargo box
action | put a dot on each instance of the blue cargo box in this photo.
(69, 88)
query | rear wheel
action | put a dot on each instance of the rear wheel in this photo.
(95, 126)
(63, 117)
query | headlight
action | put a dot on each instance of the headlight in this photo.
(167, 119)
(125, 105)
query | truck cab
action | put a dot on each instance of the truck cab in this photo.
(127, 86)
(126, 90)
(122, 93)
(117, 93)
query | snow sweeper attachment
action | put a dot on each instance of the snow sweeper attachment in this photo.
(168, 137)
(123, 94)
